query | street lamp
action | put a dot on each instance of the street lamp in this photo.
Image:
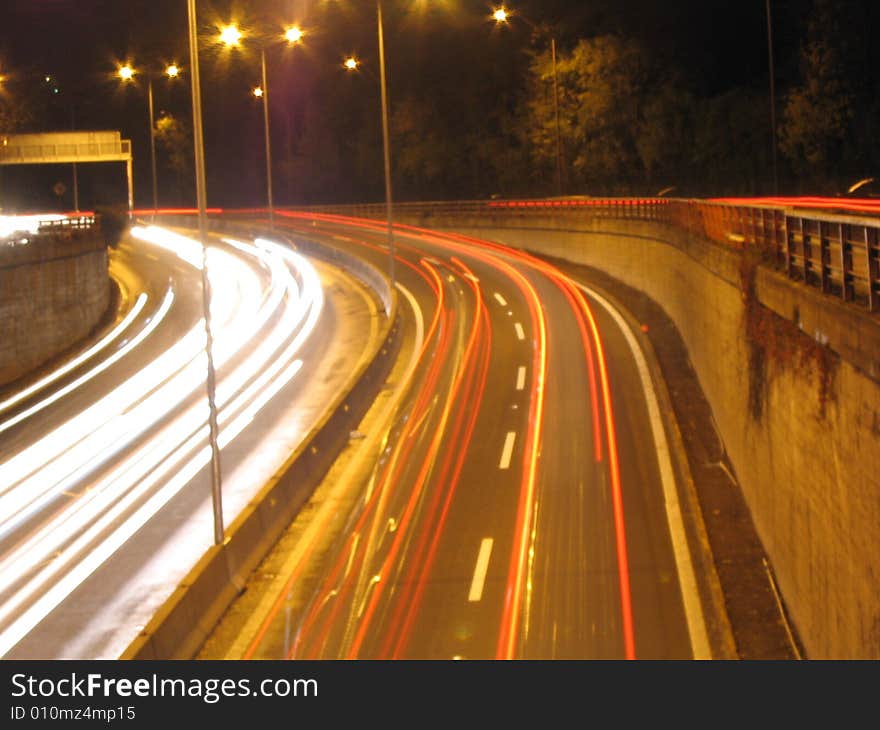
(351, 64)
(231, 37)
(772, 97)
(386, 144)
(127, 74)
(201, 198)
(502, 16)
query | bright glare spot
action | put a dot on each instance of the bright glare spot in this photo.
(230, 35)
(126, 73)
(351, 63)
(851, 189)
(500, 15)
(10, 224)
(294, 34)
(173, 71)
(258, 92)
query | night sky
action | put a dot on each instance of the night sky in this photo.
(716, 45)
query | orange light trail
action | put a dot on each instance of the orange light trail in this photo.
(474, 391)
(296, 573)
(379, 495)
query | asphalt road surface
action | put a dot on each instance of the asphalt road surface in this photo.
(512, 496)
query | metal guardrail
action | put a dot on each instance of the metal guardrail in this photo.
(836, 253)
(66, 224)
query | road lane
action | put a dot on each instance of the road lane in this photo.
(527, 429)
(90, 562)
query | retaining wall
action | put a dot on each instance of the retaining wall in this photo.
(53, 291)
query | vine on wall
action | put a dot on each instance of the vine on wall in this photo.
(777, 344)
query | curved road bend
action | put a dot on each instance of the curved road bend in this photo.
(104, 489)
(517, 507)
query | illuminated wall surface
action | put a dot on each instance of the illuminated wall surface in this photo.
(54, 289)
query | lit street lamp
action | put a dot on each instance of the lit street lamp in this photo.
(352, 64)
(127, 74)
(502, 16)
(231, 37)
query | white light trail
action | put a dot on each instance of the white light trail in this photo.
(85, 488)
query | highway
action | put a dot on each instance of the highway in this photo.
(104, 460)
(513, 497)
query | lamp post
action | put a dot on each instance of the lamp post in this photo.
(127, 74)
(351, 64)
(386, 144)
(772, 96)
(231, 36)
(502, 16)
(201, 198)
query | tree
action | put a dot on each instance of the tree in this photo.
(619, 115)
(14, 115)
(173, 135)
(727, 151)
(818, 113)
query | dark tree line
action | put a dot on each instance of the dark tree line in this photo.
(645, 103)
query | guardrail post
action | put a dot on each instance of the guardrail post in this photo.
(789, 249)
(805, 251)
(824, 258)
(779, 243)
(872, 251)
(847, 291)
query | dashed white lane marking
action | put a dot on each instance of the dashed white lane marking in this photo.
(519, 331)
(507, 451)
(476, 592)
(501, 300)
(521, 377)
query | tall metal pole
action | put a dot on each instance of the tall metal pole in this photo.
(75, 189)
(556, 112)
(386, 145)
(772, 97)
(201, 197)
(152, 145)
(129, 175)
(268, 143)
(75, 172)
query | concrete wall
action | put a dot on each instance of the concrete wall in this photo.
(810, 472)
(53, 291)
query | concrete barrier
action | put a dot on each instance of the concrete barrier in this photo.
(797, 404)
(53, 292)
(182, 624)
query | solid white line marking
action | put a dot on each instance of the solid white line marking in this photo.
(476, 592)
(521, 377)
(508, 450)
(519, 331)
(501, 300)
(687, 579)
